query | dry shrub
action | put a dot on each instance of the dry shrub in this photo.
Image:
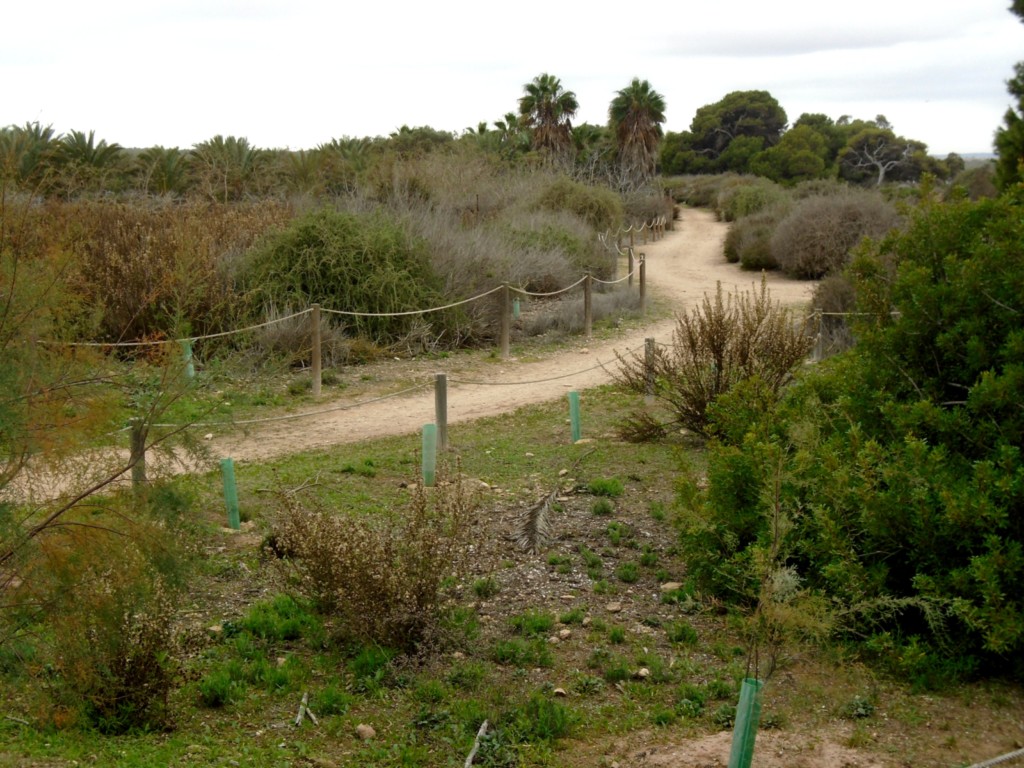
(721, 343)
(748, 240)
(100, 604)
(748, 195)
(382, 578)
(816, 238)
(645, 205)
(566, 316)
(598, 206)
(700, 191)
(290, 338)
(161, 269)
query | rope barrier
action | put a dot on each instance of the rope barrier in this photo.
(613, 282)
(412, 311)
(517, 383)
(552, 293)
(175, 341)
(292, 416)
(1016, 755)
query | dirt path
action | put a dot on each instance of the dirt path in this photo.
(681, 268)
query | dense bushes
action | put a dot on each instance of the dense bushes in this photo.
(893, 475)
(815, 239)
(345, 262)
(598, 206)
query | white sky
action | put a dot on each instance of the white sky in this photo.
(297, 73)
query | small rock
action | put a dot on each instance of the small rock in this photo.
(584, 351)
(563, 472)
(216, 630)
(586, 621)
(458, 655)
(613, 607)
(553, 640)
(282, 660)
(565, 634)
(671, 586)
(643, 673)
(560, 692)
(584, 441)
(568, 598)
(365, 732)
(528, 455)
(208, 436)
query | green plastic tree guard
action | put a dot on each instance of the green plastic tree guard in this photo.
(429, 454)
(574, 415)
(748, 714)
(227, 469)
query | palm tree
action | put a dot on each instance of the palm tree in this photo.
(635, 117)
(227, 166)
(162, 171)
(28, 154)
(547, 110)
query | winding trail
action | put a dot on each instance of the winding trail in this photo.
(681, 268)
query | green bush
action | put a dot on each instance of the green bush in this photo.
(598, 206)
(890, 478)
(738, 201)
(361, 263)
(748, 240)
(610, 487)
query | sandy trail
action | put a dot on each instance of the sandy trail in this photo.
(681, 268)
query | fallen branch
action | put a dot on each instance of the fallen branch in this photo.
(304, 711)
(476, 744)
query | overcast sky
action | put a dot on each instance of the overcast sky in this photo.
(297, 73)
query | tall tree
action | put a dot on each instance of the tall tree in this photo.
(547, 109)
(635, 117)
(226, 167)
(87, 164)
(1009, 140)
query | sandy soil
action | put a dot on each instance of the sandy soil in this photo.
(681, 268)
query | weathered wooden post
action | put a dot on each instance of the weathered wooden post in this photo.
(588, 306)
(643, 283)
(441, 409)
(649, 370)
(505, 323)
(137, 455)
(315, 370)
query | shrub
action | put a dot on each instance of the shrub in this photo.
(609, 487)
(362, 263)
(738, 201)
(628, 572)
(816, 238)
(602, 507)
(486, 588)
(598, 206)
(382, 578)
(748, 240)
(533, 623)
(716, 346)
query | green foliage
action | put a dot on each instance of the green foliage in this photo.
(682, 632)
(598, 206)
(346, 262)
(279, 619)
(486, 588)
(602, 507)
(608, 487)
(890, 479)
(533, 623)
(737, 201)
(628, 572)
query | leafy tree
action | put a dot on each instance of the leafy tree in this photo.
(635, 117)
(801, 155)
(546, 109)
(752, 120)
(408, 142)
(875, 153)
(1009, 140)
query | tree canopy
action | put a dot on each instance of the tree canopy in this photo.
(635, 117)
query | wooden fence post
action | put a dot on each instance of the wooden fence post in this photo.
(630, 265)
(649, 370)
(315, 365)
(588, 305)
(505, 323)
(643, 283)
(137, 456)
(441, 409)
